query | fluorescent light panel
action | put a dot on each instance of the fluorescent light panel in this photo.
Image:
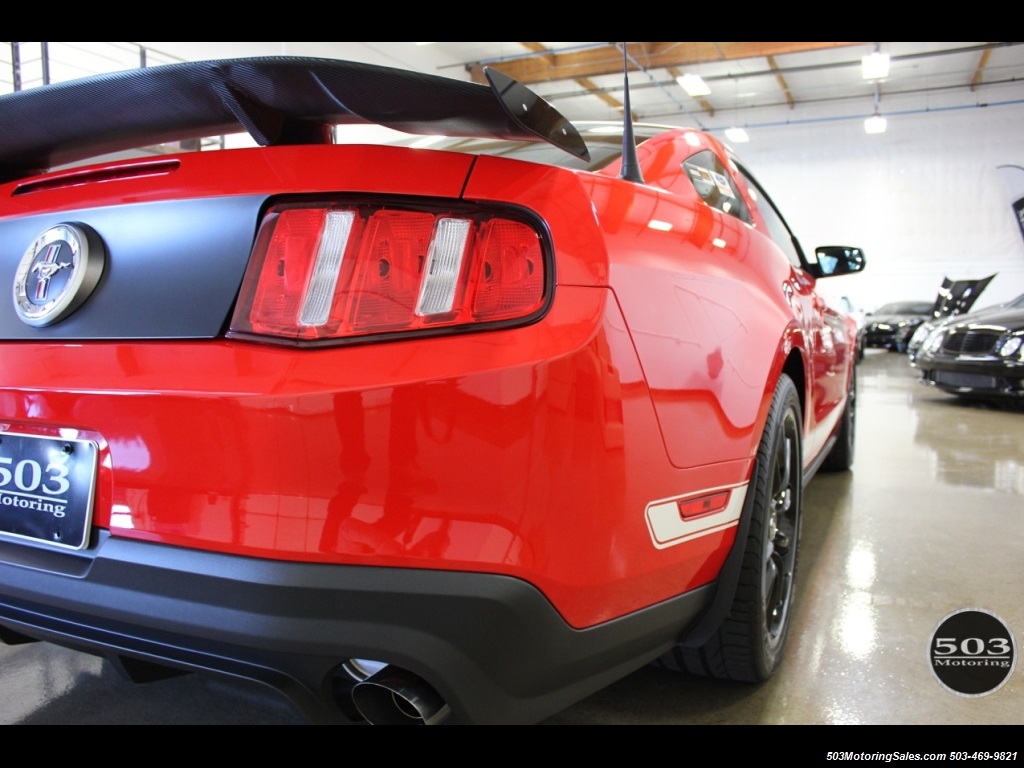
(737, 135)
(875, 66)
(875, 124)
(693, 84)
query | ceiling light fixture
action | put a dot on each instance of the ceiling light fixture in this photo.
(737, 135)
(875, 124)
(693, 85)
(875, 66)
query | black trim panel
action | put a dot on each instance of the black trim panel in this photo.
(173, 269)
(494, 648)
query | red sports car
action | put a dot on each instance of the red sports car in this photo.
(413, 435)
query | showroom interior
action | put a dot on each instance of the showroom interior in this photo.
(920, 165)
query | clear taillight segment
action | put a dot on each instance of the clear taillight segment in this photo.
(321, 273)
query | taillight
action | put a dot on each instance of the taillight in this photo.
(335, 272)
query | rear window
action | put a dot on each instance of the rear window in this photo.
(603, 141)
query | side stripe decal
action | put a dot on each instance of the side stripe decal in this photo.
(668, 528)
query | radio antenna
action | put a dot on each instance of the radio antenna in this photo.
(630, 165)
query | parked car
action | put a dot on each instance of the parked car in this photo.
(978, 356)
(956, 298)
(415, 436)
(891, 325)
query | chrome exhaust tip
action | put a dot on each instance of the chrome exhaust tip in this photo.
(394, 696)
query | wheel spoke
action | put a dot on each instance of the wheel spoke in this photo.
(771, 577)
(782, 488)
(780, 535)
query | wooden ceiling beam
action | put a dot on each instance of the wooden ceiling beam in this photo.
(583, 82)
(547, 65)
(783, 85)
(607, 98)
(979, 73)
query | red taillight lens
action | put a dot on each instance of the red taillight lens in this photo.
(335, 272)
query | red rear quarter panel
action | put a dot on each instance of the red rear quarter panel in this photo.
(511, 452)
(700, 292)
(534, 452)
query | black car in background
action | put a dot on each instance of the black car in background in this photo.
(956, 297)
(978, 356)
(891, 325)
(894, 326)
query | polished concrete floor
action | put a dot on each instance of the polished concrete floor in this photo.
(929, 522)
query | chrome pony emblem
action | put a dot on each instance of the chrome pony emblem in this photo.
(57, 273)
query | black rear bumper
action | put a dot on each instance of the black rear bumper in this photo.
(492, 646)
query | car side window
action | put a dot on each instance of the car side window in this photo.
(778, 230)
(712, 182)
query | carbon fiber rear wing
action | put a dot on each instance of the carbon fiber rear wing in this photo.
(277, 100)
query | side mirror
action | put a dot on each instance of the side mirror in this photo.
(832, 260)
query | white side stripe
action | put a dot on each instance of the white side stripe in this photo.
(668, 528)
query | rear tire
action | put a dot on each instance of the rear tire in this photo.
(748, 645)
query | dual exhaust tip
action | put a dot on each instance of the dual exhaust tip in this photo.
(394, 696)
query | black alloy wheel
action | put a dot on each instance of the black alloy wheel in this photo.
(781, 536)
(747, 645)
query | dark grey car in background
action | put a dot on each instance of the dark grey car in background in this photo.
(977, 356)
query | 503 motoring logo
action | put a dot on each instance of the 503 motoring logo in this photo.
(972, 652)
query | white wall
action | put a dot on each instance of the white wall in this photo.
(924, 200)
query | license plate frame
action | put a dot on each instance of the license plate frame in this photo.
(47, 489)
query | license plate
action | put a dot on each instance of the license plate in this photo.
(969, 380)
(47, 488)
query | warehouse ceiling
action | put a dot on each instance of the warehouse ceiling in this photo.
(751, 83)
